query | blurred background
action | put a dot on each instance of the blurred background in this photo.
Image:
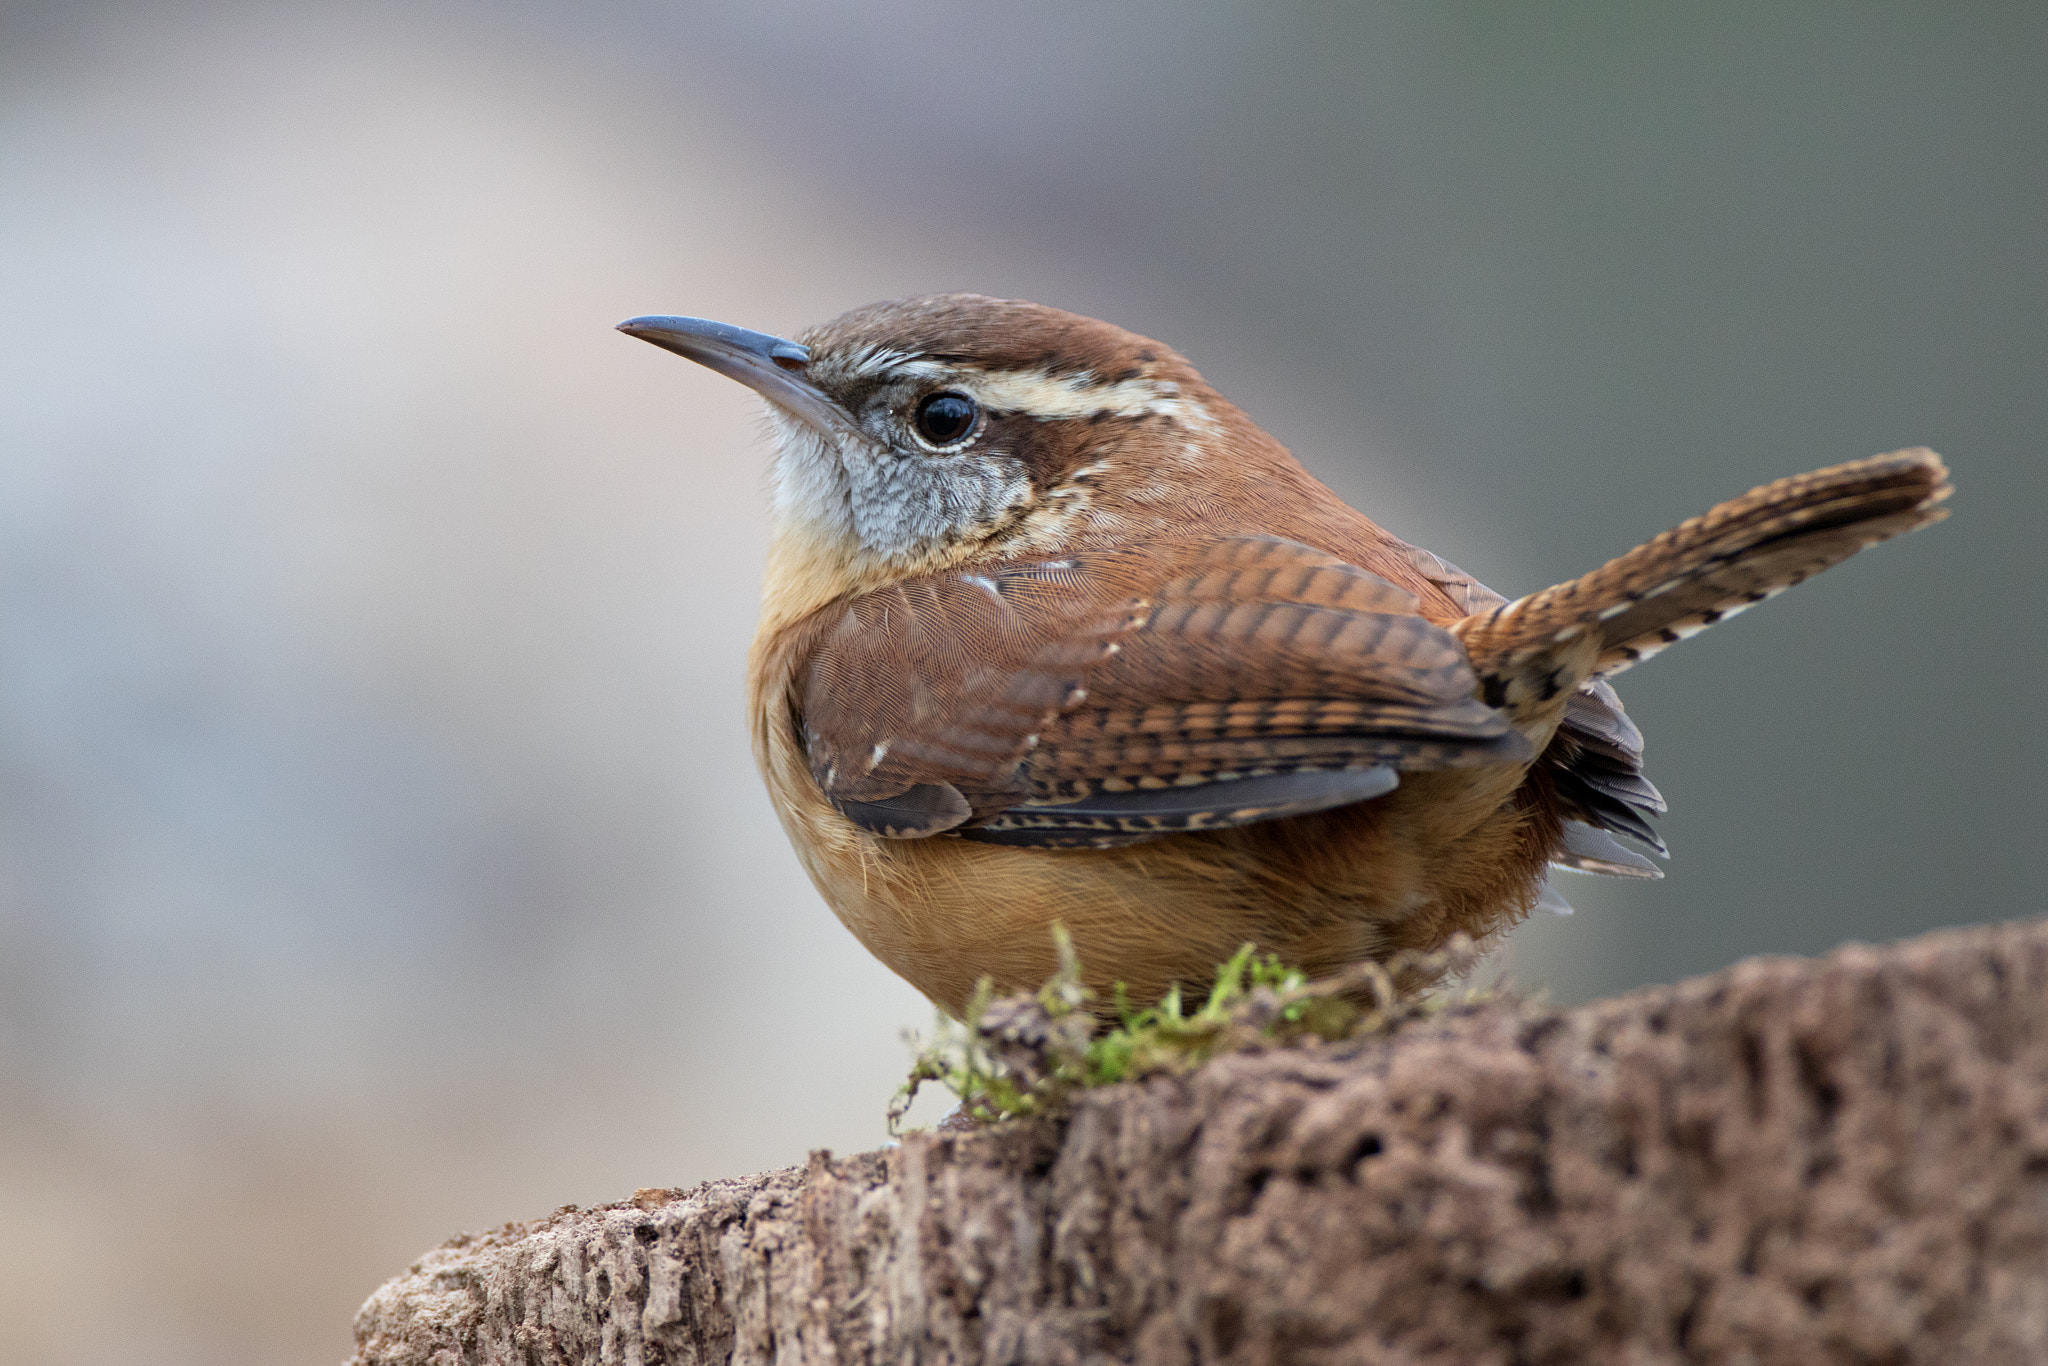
(380, 855)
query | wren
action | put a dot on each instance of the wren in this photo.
(1052, 632)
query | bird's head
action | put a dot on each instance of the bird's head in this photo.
(928, 431)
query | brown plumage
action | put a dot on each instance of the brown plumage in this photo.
(1053, 633)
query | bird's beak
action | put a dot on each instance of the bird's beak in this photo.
(770, 366)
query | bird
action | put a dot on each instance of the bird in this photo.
(1054, 635)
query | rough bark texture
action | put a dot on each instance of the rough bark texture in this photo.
(1842, 1160)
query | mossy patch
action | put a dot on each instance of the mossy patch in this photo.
(1019, 1056)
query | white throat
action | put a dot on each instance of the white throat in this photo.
(892, 505)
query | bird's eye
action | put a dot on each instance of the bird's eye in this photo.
(943, 419)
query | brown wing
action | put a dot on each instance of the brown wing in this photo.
(1117, 696)
(919, 702)
(1596, 757)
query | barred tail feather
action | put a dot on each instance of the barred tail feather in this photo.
(1708, 569)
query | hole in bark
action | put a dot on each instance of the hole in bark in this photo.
(1753, 1068)
(1558, 1283)
(1249, 1192)
(1816, 1296)
(1813, 1075)
(1226, 1325)
(1534, 1035)
(2037, 1165)
(648, 1234)
(604, 1285)
(1752, 1252)
(1686, 1318)
(1656, 1022)
(1368, 1145)
(1541, 1200)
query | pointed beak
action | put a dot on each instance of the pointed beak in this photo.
(770, 366)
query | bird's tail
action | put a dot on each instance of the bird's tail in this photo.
(1699, 572)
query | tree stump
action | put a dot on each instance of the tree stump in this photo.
(1835, 1160)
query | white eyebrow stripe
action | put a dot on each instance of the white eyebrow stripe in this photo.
(1034, 392)
(1053, 397)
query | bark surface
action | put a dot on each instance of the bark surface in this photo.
(1836, 1160)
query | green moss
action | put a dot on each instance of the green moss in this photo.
(1026, 1055)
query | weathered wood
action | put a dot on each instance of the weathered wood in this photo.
(1837, 1160)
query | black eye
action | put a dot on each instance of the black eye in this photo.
(943, 419)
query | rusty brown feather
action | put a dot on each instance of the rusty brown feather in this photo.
(1053, 633)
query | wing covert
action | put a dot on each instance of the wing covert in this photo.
(1085, 702)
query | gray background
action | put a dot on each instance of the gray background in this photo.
(379, 851)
